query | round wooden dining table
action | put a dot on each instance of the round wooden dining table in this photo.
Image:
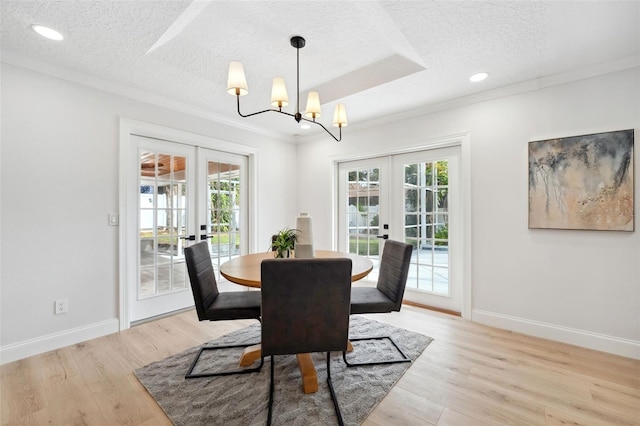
(245, 270)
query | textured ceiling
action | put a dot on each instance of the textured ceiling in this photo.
(377, 57)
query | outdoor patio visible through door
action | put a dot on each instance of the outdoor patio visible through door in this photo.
(178, 195)
(414, 198)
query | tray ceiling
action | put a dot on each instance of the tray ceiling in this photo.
(377, 57)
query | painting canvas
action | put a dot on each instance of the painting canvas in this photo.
(582, 182)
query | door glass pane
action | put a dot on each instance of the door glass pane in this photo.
(223, 211)
(363, 214)
(162, 220)
(427, 225)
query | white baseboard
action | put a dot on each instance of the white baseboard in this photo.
(600, 342)
(53, 341)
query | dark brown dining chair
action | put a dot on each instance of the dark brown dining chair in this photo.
(386, 296)
(212, 305)
(305, 308)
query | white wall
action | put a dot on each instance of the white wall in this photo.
(59, 180)
(59, 176)
(582, 287)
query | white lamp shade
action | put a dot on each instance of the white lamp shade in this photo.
(340, 116)
(279, 97)
(237, 83)
(313, 105)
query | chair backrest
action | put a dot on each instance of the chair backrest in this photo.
(305, 305)
(202, 277)
(394, 268)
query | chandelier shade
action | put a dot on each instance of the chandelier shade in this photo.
(279, 97)
(237, 86)
(237, 83)
(313, 106)
(340, 116)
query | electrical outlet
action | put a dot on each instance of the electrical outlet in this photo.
(61, 306)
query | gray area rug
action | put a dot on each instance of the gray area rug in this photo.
(243, 399)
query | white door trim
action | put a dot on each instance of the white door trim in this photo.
(458, 139)
(140, 128)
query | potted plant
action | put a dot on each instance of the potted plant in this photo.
(283, 242)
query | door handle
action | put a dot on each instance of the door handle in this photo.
(384, 237)
(190, 238)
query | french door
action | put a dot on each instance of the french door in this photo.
(414, 198)
(181, 194)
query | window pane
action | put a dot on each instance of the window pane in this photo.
(441, 255)
(411, 174)
(164, 279)
(441, 280)
(179, 275)
(147, 251)
(362, 216)
(411, 200)
(425, 277)
(162, 220)
(147, 282)
(427, 174)
(442, 168)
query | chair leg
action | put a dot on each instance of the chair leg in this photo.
(404, 358)
(271, 386)
(190, 374)
(333, 392)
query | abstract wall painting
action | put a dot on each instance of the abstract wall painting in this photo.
(582, 182)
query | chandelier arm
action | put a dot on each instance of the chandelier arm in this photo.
(326, 130)
(266, 110)
(259, 112)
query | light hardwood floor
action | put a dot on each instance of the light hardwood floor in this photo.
(470, 375)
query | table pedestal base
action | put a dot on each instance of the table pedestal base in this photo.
(307, 369)
(308, 373)
(250, 355)
(305, 363)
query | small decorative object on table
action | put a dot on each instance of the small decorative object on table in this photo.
(304, 243)
(283, 242)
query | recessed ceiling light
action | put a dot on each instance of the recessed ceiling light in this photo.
(305, 126)
(478, 77)
(47, 32)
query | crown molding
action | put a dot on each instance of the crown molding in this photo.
(21, 61)
(500, 92)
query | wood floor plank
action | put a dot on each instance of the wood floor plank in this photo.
(469, 375)
(400, 407)
(488, 404)
(84, 410)
(22, 390)
(450, 417)
(535, 387)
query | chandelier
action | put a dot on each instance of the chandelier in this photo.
(237, 85)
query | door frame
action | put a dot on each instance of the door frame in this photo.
(130, 127)
(461, 140)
